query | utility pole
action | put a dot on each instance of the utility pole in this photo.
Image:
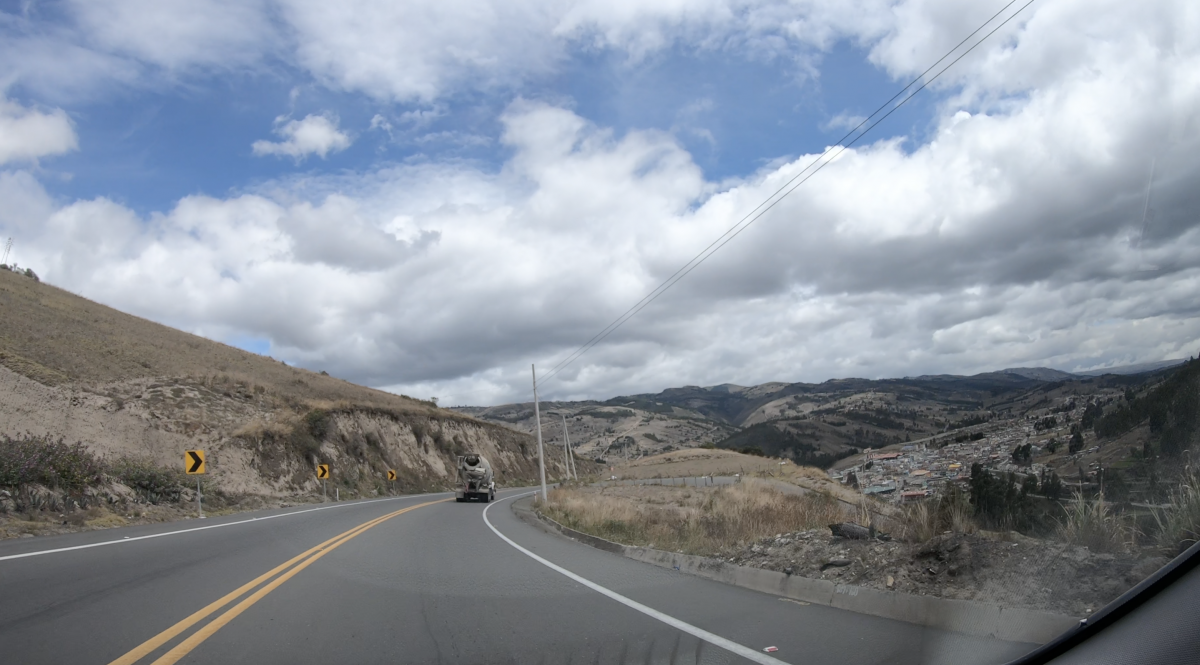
(570, 453)
(537, 416)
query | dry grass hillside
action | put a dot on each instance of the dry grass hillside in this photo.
(775, 471)
(56, 337)
(131, 388)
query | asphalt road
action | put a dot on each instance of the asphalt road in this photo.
(433, 584)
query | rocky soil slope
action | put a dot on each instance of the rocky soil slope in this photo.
(1005, 569)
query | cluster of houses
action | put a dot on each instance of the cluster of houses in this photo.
(918, 470)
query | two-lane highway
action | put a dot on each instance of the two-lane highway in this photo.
(407, 580)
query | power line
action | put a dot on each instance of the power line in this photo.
(787, 188)
(666, 284)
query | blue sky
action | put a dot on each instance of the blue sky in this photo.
(427, 198)
(147, 148)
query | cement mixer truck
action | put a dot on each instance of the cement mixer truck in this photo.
(474, 479)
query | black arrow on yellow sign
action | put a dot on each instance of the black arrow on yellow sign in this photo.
(193, 462)
(391, 474)
(322, 471)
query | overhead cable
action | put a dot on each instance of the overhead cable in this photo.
(788, 187)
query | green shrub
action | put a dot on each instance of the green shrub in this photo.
(950, 511)
(318, 422)
(153, 483)
(1179, 524)
(1091, 523)
(440, 442)
(33, 459)
(304, 443)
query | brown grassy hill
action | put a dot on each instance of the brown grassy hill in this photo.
(125, 386)
(56, 337)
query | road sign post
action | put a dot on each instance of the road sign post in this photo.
(193, 465)
(392, 481)
(323, 474)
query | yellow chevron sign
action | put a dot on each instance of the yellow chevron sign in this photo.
(193, 462)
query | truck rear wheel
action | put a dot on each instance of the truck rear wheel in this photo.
(459, 499)
(485, 497)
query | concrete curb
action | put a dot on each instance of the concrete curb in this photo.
(1014, 624)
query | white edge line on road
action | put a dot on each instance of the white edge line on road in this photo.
(717, 640)
(204, 528)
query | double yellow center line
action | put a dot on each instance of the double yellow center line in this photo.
(292, 566)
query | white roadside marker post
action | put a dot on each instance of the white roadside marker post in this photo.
(537, 416)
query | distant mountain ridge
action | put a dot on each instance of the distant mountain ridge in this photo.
(819, 422)
(1138, 368)
(1039, 373)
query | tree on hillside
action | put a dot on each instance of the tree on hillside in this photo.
(1182, 422)
(1076, 443)
(999, 501)
(1049, 422)
(1113, 484)
(1172, 409)
(1091, 414)
(1051, 486)
(1023, 455)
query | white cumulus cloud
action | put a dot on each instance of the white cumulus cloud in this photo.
(27, 134)
(1011, 234)
(314, 135)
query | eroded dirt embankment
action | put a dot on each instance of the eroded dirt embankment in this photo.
(259, 443)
